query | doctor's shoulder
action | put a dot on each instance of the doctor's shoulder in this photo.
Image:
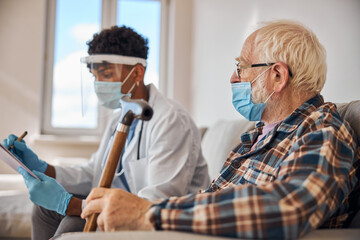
(170, 112)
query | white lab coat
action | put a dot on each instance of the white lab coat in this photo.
(170, 161)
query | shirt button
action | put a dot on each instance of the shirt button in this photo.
(236, 164)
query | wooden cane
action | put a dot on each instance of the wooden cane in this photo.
(109, 170)
(130, 109)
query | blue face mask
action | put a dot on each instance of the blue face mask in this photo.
(109, 93)
(241, 100)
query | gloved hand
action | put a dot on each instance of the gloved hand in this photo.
(47, 193)
(24, 154)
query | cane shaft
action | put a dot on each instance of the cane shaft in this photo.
(91, 225)
(113, 160)
(109, 171)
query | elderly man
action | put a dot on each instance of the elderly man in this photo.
(293, 173)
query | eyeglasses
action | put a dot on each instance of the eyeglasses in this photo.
(240, 67)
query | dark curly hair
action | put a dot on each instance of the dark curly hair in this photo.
(119, 40)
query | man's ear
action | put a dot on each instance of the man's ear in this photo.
(280, 76)
(139, 72)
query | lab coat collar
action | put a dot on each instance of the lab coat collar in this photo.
(153, 92)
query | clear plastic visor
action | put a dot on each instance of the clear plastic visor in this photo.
(104, 68)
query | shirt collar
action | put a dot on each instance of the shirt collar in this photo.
(288, 125)
(297, 117)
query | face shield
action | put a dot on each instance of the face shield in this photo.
(102, 76)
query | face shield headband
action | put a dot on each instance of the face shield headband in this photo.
(111, 59)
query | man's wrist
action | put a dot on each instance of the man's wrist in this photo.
(155, 214)
(74, 207)
(50, 171)
(150, 219)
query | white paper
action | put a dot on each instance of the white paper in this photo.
(12, 161)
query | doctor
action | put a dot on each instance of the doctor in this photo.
(161, 158)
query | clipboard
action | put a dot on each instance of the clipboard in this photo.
(9, 158)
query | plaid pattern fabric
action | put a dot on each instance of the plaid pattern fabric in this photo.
(298, 178)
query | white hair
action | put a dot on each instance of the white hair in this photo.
(296, 46)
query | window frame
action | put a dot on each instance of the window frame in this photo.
(108, 19)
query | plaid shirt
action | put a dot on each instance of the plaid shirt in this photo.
(298, 178)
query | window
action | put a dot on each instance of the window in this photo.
(70, 25)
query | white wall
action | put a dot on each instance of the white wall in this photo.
(21, 42)
(221, 26)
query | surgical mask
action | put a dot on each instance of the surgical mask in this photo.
(109, 93)
(241, 100)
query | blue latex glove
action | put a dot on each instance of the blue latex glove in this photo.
(47, 193)
(24, 154)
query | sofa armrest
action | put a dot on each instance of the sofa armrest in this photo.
(323, 234)
(139, 235)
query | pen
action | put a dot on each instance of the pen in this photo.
(19, 139)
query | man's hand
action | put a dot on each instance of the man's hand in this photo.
(22, 151)
(119, 210)
(47, 192)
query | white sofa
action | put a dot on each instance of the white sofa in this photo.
(217, 142)
(15, 207)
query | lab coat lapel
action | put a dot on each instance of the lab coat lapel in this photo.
(131, 147)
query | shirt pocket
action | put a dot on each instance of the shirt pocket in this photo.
(258, 175)
(138, 171)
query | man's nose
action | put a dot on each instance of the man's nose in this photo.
(234, 78)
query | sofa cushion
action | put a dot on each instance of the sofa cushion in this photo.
(351, 113)
(220, 139)
(15, 207)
